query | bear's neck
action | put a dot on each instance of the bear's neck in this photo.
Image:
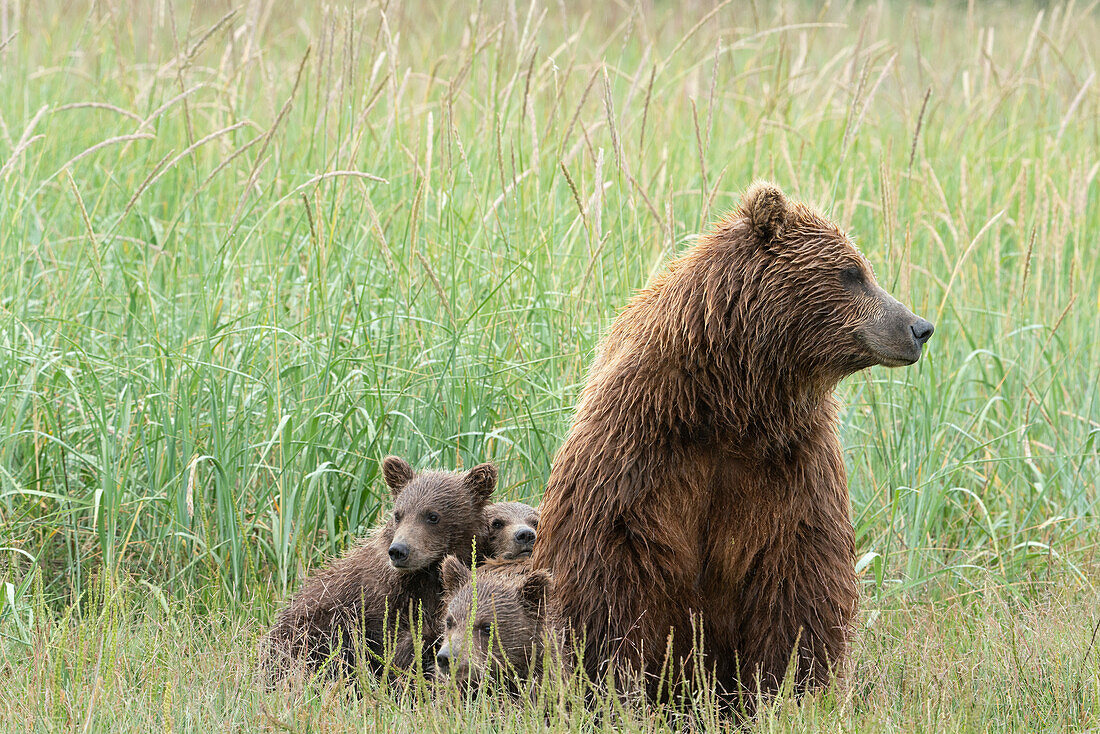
(762, 410)
(424, 586)
(708, 366)
(751, 407)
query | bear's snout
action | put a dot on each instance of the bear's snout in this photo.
(522, 543)
(413, 550)
(922, 330)
(897, 336)
(399, 554)
(453, 663)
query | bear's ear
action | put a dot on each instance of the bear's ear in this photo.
(535, 589)
(481, 481)
(397, 472)
(454, 574)
(765, 208)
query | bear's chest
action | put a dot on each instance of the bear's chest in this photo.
(753, 505)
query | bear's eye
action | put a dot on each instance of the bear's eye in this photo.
(450, 622)
(397, 517)
(485, 628)
(852, 276)
(534, 524)
(497, 524)
(431, 517)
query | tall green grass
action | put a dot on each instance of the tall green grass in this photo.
(246, 251)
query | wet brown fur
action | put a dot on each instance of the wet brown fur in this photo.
(503, 520)
(513, 597)
(342, 610)
(701, 488)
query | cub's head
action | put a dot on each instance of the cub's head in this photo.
(509, 531)
(435, 513)
(812, 296)
(502, 632)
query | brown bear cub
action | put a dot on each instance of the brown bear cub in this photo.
(700, 495)
(500, 636)
(509, 532)
(386, 591)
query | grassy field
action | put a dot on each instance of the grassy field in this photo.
(248, 250)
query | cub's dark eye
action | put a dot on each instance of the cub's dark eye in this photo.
(497, 524)
(534, 524)
(450, 622)
(397, 517)
(484, 628)
(431, 517)
(852, 276)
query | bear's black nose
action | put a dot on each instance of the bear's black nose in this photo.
(443, 661)
(525, 536)
(922, 330)
(399, 553)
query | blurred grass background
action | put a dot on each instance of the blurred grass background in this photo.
(246, 250)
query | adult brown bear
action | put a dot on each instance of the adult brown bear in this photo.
(701, 490)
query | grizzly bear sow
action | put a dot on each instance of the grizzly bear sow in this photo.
(701, 490)
(388, 586)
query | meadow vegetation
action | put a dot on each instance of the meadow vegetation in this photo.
(247, 250)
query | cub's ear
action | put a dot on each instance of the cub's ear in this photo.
(397, 472)
(481, 481)
(454, 574)
(766, 209)
(535, 589)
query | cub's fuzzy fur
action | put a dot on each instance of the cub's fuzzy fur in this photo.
(386, 591)
(510, 531)
(504, 635)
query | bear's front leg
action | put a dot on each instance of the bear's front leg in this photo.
(793, 611)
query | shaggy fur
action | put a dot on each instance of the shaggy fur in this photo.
(701, 490)
(509, 533)
(504, 634)
(344, 609)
